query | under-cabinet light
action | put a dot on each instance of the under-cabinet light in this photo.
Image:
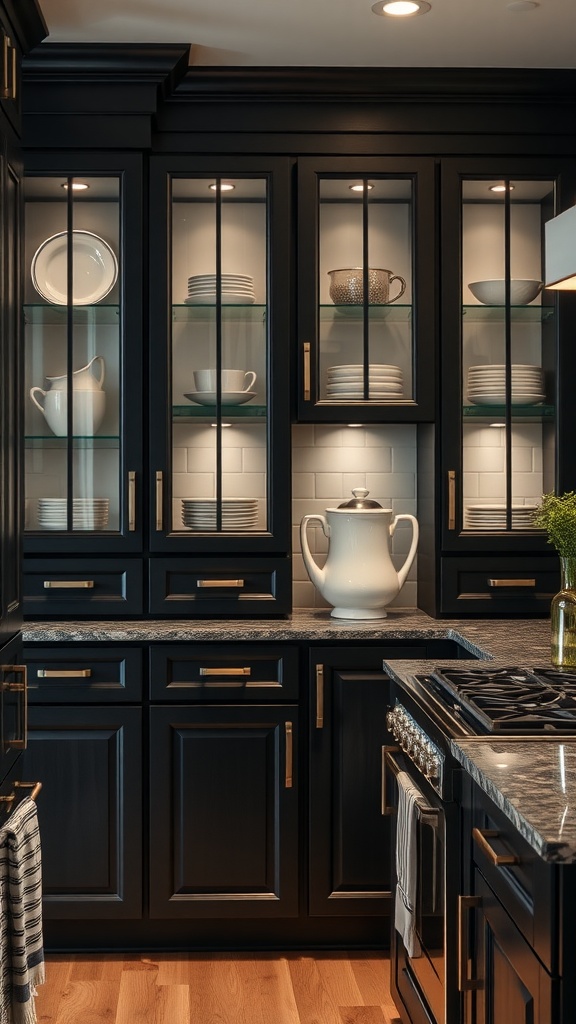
(77, 186)
(360, 187)
(222, 424)
(225, 186)
(560, 251)
(501, 188)
(401, 8)
(354, 424)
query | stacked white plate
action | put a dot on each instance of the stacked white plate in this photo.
(235, 289)
(346, 382)
(486, 385)
(493, 517)
(237, 513)
(87, 513)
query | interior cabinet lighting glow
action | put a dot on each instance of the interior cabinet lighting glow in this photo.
(77, 186)
(225, 186)
(560, 251)
(360, 187)
(501, 188)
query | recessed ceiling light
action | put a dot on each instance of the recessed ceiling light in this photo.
(225, 186)
(77, 186)
(401, 8)
(360, 187)
(501, 188)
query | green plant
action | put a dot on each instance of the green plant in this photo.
(557, 515)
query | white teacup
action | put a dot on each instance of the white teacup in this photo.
(232, 380)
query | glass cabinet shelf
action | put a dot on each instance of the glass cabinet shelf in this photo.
(203, 412)
(519, 314)
(47, 316)
(192, 313)
(534, 413)
(393, 313)
(79, 441)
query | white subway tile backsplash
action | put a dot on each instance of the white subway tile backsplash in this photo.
(328, 485)
(303, 485)
(484, 460)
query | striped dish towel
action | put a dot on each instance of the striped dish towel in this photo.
(21, 942)
(406, 864)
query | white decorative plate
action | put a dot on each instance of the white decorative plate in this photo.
(94, 269)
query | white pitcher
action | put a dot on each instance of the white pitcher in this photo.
(359, 578)
(88, 409)
(83, 379)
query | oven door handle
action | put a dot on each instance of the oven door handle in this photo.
(389, 761)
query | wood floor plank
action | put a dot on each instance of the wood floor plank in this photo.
(215, 991)
(372, 973)
(313, 999)
(142, 1001)
(338, 978)
(50, 994)
(362, 1015)
(267, 990)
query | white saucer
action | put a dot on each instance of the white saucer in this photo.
(227, 397)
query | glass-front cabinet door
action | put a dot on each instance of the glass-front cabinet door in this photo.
(503, 392)
(219, 357)
(83, 343)
(366, 276)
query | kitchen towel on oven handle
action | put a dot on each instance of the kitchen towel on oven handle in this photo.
(21, 940)
(410, 803)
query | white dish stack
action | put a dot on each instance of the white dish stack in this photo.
(385, 382)
(237, 513)
(493, 517)
(235, 289)
(87, 513)
(486, 385)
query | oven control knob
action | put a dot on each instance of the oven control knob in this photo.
(432, 770)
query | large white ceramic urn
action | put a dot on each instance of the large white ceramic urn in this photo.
(358, 578)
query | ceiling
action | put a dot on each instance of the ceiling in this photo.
(329, 33)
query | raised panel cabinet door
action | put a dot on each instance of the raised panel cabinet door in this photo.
(508, 981)
(89, 762)
(350, 838)
(224, 812)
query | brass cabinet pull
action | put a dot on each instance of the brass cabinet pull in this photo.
(319, 696)
(511, 583)
(64, 673)
(159, 500)
(451, 499)
(225, 671)
(465, 904)
(35, 788)
(387, 757)
(5, 74)
(12, 95)
(289, 755)
(306, 348)
(220, 583)
(68, 584)
(481, 837)
(22, 687)
(131, 500)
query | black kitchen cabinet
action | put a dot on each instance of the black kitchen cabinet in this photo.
(224, 803)
(349, 869)
(515, 939)
(90, 810)
(357, 217)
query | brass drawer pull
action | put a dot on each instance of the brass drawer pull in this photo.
(511, 583)
(481, 837)
(22, 687)
(319, 696)
(465, 904)
(237, 584)
(64, 673)
(387, 759)
(68, 584)
(451, 499)
(159, 500)
(131, 500)
(6, 46)
(246, 671)
(306, 375)
(289, 755)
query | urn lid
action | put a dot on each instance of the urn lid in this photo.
(360, 500)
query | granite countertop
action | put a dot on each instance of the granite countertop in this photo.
(534, 783)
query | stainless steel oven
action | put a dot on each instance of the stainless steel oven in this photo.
(429, 711)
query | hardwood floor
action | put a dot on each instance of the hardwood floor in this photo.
(217, 988)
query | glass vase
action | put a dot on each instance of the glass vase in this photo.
(563, 616)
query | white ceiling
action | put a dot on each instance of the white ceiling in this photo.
(338, 33)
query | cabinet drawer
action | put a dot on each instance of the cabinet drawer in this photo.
(93, 587)
(223, 671)
(527, 888)
(520, 585)
(76, 674)
(210, 586)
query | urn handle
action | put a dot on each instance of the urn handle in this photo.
(405, 569)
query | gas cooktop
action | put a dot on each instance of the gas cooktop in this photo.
(509, 700)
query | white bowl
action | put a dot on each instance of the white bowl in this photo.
(493, 293)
